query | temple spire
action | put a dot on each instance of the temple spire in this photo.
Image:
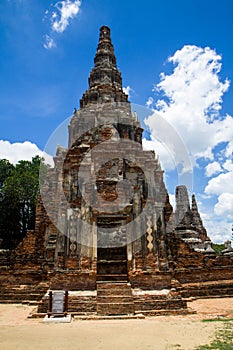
(105, 51)
(105, 82)
(197, 221)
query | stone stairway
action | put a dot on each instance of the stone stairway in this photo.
(207, 289)
(20, 293)
(159, 302)
(114, 294)
(114, 298)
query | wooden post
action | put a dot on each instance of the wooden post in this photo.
(50, 303)
(66, 302)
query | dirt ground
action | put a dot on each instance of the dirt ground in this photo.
(17, 332)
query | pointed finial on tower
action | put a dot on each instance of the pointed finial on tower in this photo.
(197, 221)
(105, 82)
(194, 203)
(104, 32)
(105, 51)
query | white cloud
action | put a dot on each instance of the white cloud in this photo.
(59, 17)
(218, 230)
(218, 227)
(220, 184)
(229, 149)
(149, 102)
(127, 90)
(15, 152)
(225, 205)
(65, 11)
(222, 187)
(193, 101)
(228, 165)
(49, 42)
(212, 168)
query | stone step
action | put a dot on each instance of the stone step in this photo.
(117, 282)
(22, 290)
(115, 308)
(164, 312)
(109, 317)
(20, 297)
(114, 298)
(144, 298)
(24, 286)
(114, 289)
(11, 301)
(21, 286)
(111, 267)
(174, 304)
(112, 260)
(112, 277)
(82, 307)
(18, 293)
(91, 316)
(207, 292)
(114, 292)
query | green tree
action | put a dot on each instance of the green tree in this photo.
(19, 194)
(9, 221)
(6, 169)
(218, 248)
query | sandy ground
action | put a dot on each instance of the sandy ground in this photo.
(155, 333)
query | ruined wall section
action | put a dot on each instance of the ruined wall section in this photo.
(188, 265)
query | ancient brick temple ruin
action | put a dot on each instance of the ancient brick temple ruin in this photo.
(105, 229)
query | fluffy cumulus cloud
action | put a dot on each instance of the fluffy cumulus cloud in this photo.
(60, 16)
(212, 168)
(189, 100)
(221, 183)
(15, 152)
(193, 97)
(224, 205)
(222, 187)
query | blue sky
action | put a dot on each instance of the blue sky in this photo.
(176, 57)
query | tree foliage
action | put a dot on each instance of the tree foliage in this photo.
(218, 248)
(19, 188)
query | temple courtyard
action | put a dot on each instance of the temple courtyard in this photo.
(17, 331)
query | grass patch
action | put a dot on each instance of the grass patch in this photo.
(220, 319)
(223, 339)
